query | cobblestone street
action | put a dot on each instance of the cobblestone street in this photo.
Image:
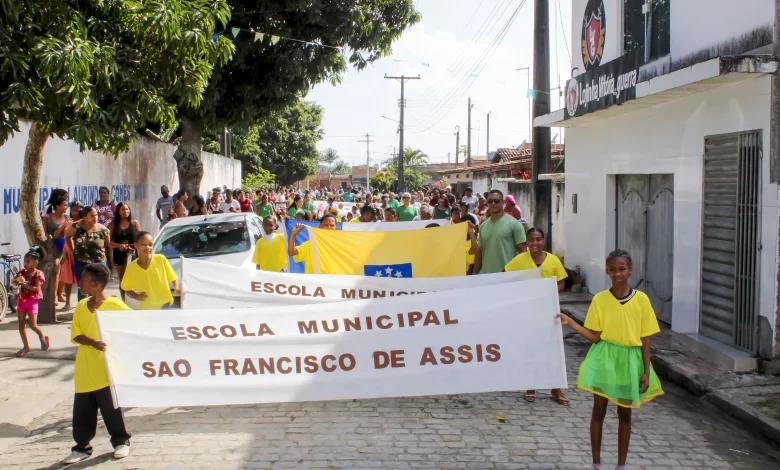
(496, 430)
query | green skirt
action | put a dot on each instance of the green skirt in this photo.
(613, 371)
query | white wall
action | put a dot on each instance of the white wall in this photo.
(135, 177)
(696, 25)
(667, 138)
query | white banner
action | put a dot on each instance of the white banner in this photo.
(391, 226)
(484, 339)
(214, 285)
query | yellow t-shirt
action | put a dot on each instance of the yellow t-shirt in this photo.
(271, 256)
(469, 256)
(356, 219)
(624, 324)
(551, 266)
(90, 370)
(152, 281)
(305, 255)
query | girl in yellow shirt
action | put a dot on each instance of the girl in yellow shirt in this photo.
(147, 278)
(617, 368)
(551, 266)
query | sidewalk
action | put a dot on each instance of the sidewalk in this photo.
(59, 333)
(751, 398)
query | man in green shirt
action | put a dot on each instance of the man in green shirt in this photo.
(393, 202)
(501, 237)
(406, 212)
(348, 196)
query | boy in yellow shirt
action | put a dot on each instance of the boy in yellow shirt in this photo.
(270, 253)
(304, 253)
(90, 376)
(147, 278)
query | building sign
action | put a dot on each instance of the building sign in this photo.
(601, 87)
(594, 30)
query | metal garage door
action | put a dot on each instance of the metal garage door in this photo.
(730, 239)
(645, 225)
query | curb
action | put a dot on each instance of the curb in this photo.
(754, 420)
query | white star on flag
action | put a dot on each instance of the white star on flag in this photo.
(389, 271)
(378, 273)
(398, 274)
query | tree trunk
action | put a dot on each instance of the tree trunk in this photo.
(31, 218)
(188, 156)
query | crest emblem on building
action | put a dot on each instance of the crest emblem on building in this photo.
(594, 30)
(572, 97)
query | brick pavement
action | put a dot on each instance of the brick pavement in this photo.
(482, 431)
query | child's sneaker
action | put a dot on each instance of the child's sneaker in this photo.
(75, 457)
(121, 451)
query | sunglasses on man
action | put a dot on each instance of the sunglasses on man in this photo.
(495, 201)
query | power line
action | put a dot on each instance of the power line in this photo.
(464, 81)
(466, 84)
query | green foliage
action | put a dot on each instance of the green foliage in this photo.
(382, 180)
(261, 179)
(412, 157)
(285, 144)
(329, 162)
(414, 179)
(96, 70)
(264, 79)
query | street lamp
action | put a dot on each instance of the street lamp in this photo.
(528, 97)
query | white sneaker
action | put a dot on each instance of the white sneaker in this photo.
(75, 457)
(121, 451)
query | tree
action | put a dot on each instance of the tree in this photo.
(265, 78)
(414, 179)
(259, 180)
(341, 168)
(94, 71)
(327, 159)
(383, 180)
(288, 142)
(412, 158)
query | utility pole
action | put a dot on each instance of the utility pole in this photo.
(368, 154)
(402, 105)
(468, 148)
(541, 135)
(457, 142)
(488, 139)
(774, 126)
(448, 157)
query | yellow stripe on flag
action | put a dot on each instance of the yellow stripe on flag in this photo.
(432, 252)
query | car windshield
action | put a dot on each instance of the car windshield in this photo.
(207, 239)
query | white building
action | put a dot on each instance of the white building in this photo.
(668, 157)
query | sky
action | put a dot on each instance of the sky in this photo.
(458, 51)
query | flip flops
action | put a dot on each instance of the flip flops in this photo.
(22, 352)
(45, 343)
(529, 397)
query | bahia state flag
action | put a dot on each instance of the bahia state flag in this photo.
(430, 252)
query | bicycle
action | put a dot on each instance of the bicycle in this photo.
(11, 264)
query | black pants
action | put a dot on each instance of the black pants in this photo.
(85, 409)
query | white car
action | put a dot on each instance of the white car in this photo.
(219, 238)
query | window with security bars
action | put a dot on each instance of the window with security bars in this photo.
(635, 23)
(730, 239)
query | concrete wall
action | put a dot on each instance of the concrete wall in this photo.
(522, 191)
(667, 138)
(699, 28)
(135, 177)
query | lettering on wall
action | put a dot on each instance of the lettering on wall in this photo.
(85, 193)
